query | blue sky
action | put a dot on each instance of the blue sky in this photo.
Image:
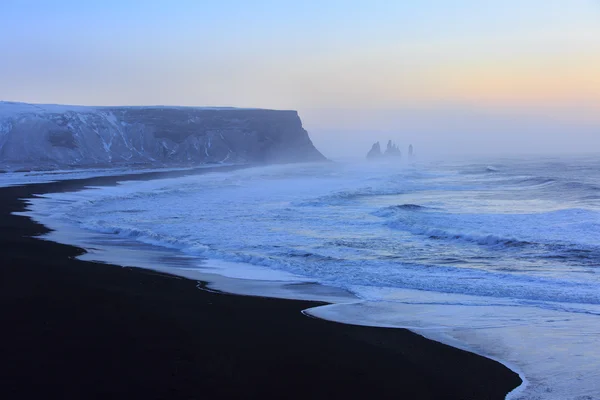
(308, 55)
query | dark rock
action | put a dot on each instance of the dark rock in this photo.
(62, 138)
(392, 149)
(375, 151)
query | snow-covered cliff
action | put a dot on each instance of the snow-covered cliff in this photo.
(50, 136)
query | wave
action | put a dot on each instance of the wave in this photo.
(274, 257)
(471, 237)
(481, 169)
(582, 187)
(345, 196)
(392, 210)
(307, 255)
(570, 188)
(142, 235)
(409, 207)
(541, 238)
(345, 273)
(534, 181)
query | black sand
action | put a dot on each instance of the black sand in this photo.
(79, 330)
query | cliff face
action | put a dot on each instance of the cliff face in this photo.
(59, 136)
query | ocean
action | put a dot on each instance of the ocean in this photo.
(497, 256)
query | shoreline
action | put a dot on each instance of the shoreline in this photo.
(84, 329)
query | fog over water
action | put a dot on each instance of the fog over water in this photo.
(450, 132)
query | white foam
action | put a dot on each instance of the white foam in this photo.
(250, 272)
(33, 177)
(229, 277)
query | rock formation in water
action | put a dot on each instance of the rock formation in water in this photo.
(375, 151)
(392, 149)
(53, 136)
(410, 150)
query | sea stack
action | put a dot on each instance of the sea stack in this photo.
(392, 149)
(375, 151)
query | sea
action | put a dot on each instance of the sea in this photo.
(498, 256)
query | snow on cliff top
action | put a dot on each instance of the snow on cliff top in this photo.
(9, 108)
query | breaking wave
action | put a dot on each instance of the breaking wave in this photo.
(344, 196)
(394, 210)
(472, 237)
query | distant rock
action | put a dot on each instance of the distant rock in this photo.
(410, 150)
(392, 149)
(375, 151)
(55, 136)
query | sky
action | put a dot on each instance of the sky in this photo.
(447, 76)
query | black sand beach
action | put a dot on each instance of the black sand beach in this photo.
(77, 330)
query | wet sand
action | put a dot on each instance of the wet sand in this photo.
(73, 329)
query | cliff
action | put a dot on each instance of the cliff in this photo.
(54, 136)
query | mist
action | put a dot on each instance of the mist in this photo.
(444, 132)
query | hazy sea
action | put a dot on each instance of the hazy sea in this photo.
(497, 256)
